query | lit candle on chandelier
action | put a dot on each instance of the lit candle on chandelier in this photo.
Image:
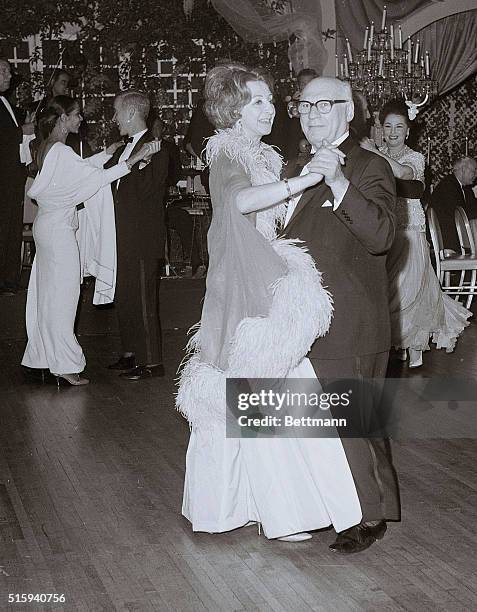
(428, 71)
(383, 22)
(466, 146)
(348, 48)
(409, 55)
(381, 64)
(336, 66)
(345, 58)
(391, 42)
(428, 150)
(370, 42)
(416, 52)
(371, 32)
(400, 37)
(366, 34)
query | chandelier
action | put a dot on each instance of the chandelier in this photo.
(386, 68)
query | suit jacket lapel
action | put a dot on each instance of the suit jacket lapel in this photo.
(318, 191)
(112, 162)
(146, 137)
(7, 114)
(321, 191)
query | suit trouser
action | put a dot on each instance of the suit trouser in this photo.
(369, 458)
(137, 305)
(11, 235)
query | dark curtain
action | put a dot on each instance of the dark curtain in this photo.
(352, 16)
(452, 43)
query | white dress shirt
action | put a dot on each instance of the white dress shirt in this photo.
(25, 155)
(294, 201)
(130, 146)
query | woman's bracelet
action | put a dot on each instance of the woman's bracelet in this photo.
(287, 185)
(129, 165)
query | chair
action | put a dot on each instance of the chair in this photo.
(448, 261)
(464, 231)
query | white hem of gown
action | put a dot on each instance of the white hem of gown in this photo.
(303, 484)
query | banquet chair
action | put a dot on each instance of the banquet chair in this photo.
(448, 261)
(464, 231)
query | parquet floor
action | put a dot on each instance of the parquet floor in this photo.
(90, 495)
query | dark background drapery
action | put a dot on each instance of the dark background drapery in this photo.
(452, 43)
(352, 16)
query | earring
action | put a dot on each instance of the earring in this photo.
(64, 130)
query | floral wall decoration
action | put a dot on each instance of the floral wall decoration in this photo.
(448, 127)
(117, 44)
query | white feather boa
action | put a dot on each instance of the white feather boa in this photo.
(262, 347)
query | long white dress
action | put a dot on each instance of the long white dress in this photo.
(65, 181)
(289, 485)
(420, 310)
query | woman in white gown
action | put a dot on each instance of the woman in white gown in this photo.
(64, 180)
(420, 310)
(264, 306)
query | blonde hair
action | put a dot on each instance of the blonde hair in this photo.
(226, 92)
(136, 100)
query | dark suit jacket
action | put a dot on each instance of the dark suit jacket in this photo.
(444, 200)
(12, 171)
(349, 247)
(175, 163)
(138, 205)
(200, 128)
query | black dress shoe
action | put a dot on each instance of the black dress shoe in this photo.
(142, 372)
(123, 363)
(8, 291)
(358, 538)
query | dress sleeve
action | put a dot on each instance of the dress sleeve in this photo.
(99, 159)
(237, 179)
(83, 179)
(416, 162)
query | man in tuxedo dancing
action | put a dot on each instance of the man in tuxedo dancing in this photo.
(347, 224)
(140, 238)
(12, 185)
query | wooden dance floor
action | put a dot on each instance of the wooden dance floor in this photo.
(91, 485)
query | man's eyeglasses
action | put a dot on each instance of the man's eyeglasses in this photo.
(303, 107)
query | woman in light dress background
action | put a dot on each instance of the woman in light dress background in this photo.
(420, 311)
(264, 306)
(64, 180)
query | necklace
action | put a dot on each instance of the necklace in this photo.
(395, 154)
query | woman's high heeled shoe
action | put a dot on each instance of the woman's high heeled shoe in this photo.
(72, 379)
(415, 358)
(296, 537)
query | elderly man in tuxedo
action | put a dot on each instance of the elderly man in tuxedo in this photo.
(347, 223)
(455, 190)
(140, 239)
(12, 184)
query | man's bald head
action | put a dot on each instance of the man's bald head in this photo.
(319, 126)
(465, 169)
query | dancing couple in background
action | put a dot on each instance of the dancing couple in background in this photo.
(267, 314)
(63, 182)
(420, 311)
